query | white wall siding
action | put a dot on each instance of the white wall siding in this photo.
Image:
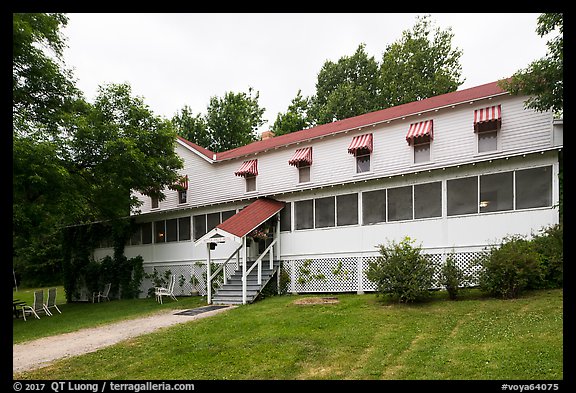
(454, 142)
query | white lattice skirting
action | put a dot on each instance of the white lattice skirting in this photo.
(309, 275)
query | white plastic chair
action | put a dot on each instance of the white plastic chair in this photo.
(161, 291)
(37, 307)
(51, 302)
(103, 294)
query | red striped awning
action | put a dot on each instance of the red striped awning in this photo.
(420, 129)
(301, 156)
(182, 184)
(248, 168)
(487, 115)
(360, 142)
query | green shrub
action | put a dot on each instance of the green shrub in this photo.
(451, 277)
(511, 268)
(549, 244)
(401, 272)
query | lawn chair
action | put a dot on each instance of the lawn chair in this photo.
(103, 294)
(51, 302)
(161, 291)
(37, 307)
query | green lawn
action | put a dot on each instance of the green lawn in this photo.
(360, 338)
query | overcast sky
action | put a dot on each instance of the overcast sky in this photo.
(172, 60)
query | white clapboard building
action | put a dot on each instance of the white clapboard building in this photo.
(456, 173)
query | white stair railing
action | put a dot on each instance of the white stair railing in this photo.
(258, 263)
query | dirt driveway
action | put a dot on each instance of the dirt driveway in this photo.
(39, 353)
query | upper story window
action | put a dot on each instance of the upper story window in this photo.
(302, 159)
(420, 136)
(182, 187)
(361, 147)
(154, 202)
(487, 122)
(249, 170)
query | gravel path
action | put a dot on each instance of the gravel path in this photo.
(39, 353)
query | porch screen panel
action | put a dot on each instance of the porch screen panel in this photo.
(212, 220)
(534, 187)
(147, 233)
(286, 218)
(304, 212)
(428, 200)
(184, 228)
(400, 203)
(159, 231)
(172, 230)
(199, 226)
(347, 209)
(496, 192)
(136, 237)
(462, 196)
(373, 207)
(227, 214)
(324, 212)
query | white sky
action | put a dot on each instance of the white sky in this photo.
(172, 60)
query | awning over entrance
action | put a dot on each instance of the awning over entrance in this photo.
(301, 157)
(491, 114)
(360, 142)
(248, 168)
(251, 217)
(416, 130)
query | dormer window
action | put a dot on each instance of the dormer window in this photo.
(420, 136)
(302, 159)
(154, 202)
(361, 148)
(487, 123)
(249, 170)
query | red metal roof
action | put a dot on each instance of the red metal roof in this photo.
(251, 216)
(395, 112)
(360, 142)
(417, 130)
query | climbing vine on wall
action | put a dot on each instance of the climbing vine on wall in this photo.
(81, 271)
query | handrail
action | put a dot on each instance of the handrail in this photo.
(224, 264)
(258, 262)
(210, 277)
(261, 257)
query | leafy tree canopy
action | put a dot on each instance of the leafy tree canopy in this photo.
(420, 65)
(295, 118)
(231, 121)
(543, 79)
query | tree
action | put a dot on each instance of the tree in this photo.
(233, 120)
(346, 88)
(192, 128)
(543, 79)
(421, 64)
(42, 89)
(122, 147)
(295, 118)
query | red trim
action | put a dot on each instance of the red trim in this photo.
(303, 155)
(248, 168)
(360, 142)
(420, 129)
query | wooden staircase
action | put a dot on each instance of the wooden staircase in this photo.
(231, 292)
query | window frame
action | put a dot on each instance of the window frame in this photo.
(363, 154)
(250, 180)
(420, 142)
